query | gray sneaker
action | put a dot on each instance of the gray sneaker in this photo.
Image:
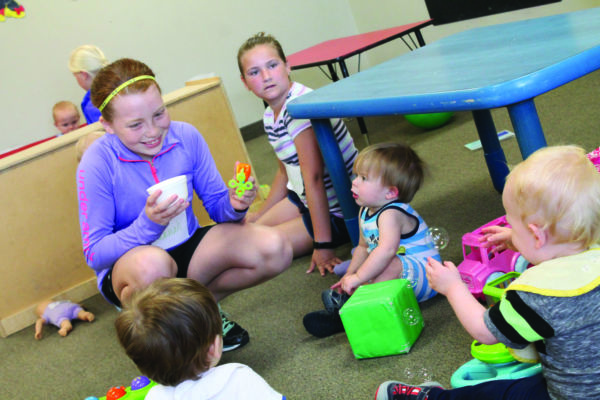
(333, 301)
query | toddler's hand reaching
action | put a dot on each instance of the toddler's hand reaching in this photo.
(349, 283)
(442, 278)
(497, 237)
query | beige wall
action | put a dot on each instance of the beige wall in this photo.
(181, 39)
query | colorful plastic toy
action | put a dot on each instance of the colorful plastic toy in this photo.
(493, 361)
(594, 157)
(477, 371)
(481, 265)
(493, 290)
(241, 183)
(11, 9)
(137, 391)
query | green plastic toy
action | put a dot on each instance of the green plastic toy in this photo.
(491, 353)
(429, 121)
(382, 319)
(241, 183)
(494, 289)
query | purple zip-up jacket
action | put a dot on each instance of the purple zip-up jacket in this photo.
(111, 188)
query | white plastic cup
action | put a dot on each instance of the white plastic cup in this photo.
(169, 187)
(176, 231)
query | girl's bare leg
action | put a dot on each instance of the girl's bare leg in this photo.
(286, 218)
(232, 257)
(139, 267)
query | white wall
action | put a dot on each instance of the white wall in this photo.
(180, 39)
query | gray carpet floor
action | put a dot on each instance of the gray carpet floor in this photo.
(458, 196)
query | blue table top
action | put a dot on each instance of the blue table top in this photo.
(481, 68)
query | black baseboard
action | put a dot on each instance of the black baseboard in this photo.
(252, 131)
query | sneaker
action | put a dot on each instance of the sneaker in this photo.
(322, 323)
(392, 390)
(234, 336)
(333, 300)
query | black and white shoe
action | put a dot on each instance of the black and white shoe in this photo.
(234, 336)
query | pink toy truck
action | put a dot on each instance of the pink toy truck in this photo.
(480, 265)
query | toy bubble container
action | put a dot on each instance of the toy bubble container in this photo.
(140, 386)
(382, 319)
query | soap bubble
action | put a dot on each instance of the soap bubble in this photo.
(439, 236)
(424, 375)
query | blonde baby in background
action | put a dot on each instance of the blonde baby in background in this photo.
(66, 117)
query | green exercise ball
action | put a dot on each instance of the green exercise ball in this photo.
(429, 121)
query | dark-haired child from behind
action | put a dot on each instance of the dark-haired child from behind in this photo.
(172, 331)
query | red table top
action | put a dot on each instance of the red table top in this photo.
(334, 49)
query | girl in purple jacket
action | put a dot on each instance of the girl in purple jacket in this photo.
(120, 222)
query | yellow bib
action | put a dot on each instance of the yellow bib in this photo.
(562, 277)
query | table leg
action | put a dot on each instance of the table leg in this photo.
(334, 75)
(339, 176)
(528, 128)
(420, 39)
(361, 121)
(492, 151)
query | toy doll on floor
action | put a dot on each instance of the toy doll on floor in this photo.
(59, 313)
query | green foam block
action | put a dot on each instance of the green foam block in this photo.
(382, 319)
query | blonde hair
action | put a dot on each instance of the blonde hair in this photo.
(558, 188)
(255, 40)
(396, 164)
(87, 58)
(63, 105)
(84, 142)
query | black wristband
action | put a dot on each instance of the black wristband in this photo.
(323, 245)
